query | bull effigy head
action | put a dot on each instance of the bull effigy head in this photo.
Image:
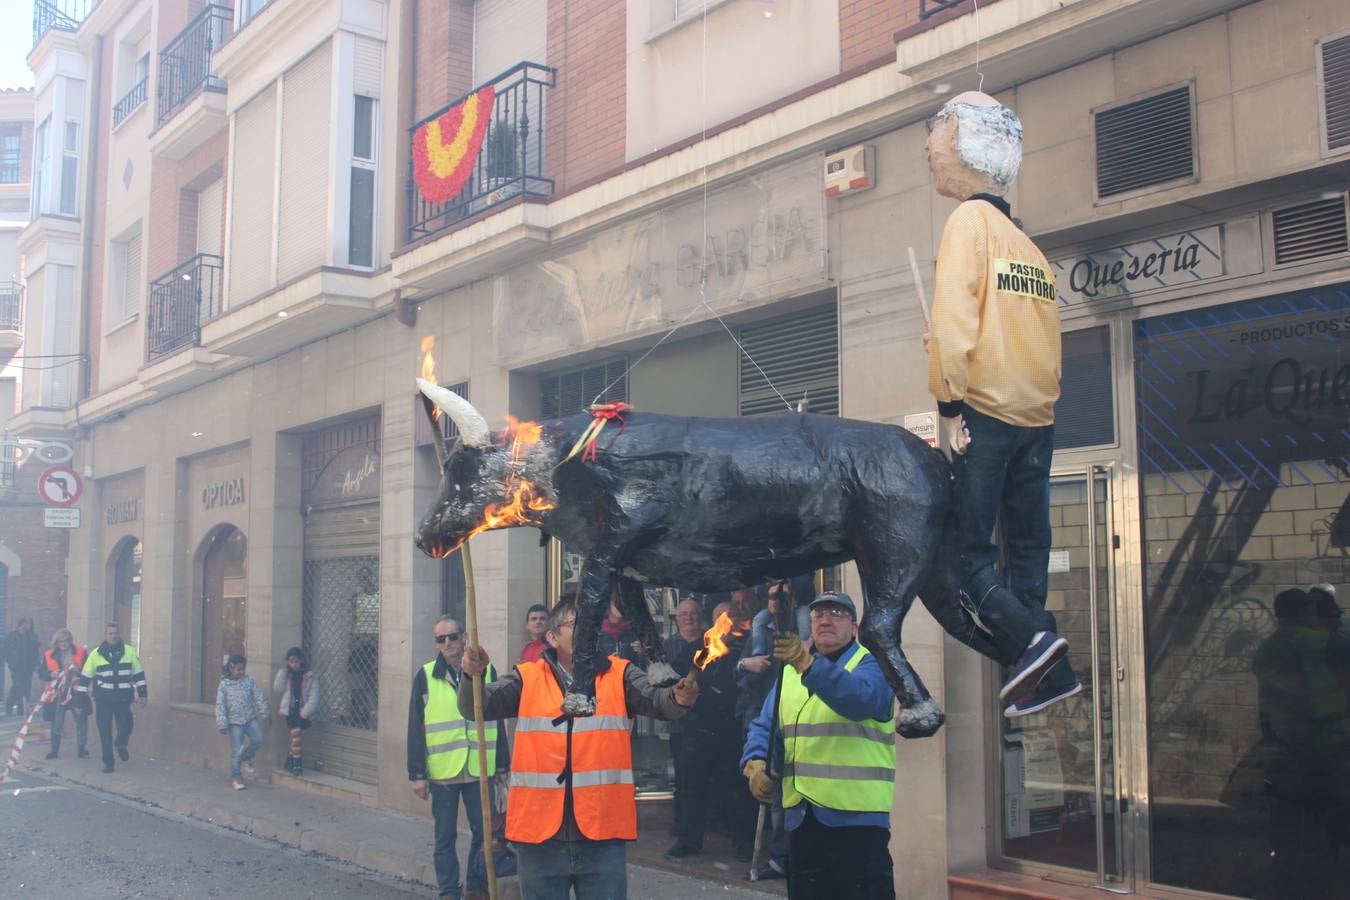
(485, 484)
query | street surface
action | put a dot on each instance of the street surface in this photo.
(62, 839)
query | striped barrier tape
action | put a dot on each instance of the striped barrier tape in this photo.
(53, 690)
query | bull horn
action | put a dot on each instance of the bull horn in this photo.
(473, 428)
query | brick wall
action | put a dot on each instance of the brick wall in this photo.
(443, 69)
(587, 44)
(867, 28)
(173, 203)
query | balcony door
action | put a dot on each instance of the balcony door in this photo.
(210, 211)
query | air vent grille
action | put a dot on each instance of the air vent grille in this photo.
(569, 393)
(1310, 230)
(1145, 143)
(1336, 91)
(800, 355)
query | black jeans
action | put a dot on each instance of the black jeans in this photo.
(833, 863)
(105, 712)
(20, 686)
(1003, 478)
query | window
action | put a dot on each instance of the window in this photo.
(10, 138)
(250, 8)
(70, 168)
(124, 279)
(42, 155)
(361, 225)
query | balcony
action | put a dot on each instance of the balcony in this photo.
(190, 95)
(134, 100)
(509, 163)
(181, 302)
(11, 320)
(60, 15)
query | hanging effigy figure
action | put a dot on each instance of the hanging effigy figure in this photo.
(994, 369)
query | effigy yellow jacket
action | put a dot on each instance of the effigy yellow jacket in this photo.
(995, 343)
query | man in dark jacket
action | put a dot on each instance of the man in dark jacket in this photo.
(22, 652)
(113, 677)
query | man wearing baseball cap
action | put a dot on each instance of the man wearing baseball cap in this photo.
(834, 731)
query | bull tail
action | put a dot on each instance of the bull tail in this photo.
(944, 595)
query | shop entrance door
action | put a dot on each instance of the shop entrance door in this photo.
(1058, 772)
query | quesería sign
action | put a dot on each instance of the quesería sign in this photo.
(1176, 259)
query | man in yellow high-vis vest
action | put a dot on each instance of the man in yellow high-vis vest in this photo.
(443, 759)
(835, 738)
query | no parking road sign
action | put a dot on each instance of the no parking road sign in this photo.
(60, 486)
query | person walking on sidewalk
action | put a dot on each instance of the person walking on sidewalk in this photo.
(572, 804)
(239, 705)
(298, 690)
(66, 656)
(836, 725)
(113, 675)
(443, 759)
(22, 649)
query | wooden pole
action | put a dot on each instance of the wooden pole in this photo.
(484, 794)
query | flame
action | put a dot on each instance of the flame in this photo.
(714, 640)
(429, 370)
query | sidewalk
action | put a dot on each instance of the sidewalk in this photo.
(387, 842)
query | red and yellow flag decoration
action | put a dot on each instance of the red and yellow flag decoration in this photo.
(445, 148)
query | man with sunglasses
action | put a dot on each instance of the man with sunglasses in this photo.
(443, 759)
(835, 736)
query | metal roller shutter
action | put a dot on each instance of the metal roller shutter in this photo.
(799, 354)
(368, 72)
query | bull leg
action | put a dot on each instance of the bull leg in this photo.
(597, 586)
(634, 604)
(889, 589)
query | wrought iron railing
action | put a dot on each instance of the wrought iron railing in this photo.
(181, 302)
(933, 7)
(65, 15)
(131, 101)
(185, 62)
(510, 162)
(11, 306)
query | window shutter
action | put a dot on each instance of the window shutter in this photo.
(1309, 231)
(1145, 143)
(305, 125)
(508, 32)
(251, 194)
(368, 70)
(798, 354)
(132, 281)
(1334, 69)
(569, 393)
(208, 218)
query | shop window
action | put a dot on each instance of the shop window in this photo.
(1085, 415)
(789, 358)
(1244, 467)
(126, 593)
(572, 392)
(224, 580)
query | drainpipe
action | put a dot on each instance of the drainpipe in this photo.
(86, 279)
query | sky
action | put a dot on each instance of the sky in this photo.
(16, 39)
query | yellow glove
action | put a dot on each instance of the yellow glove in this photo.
(788, 648)
(761, 785)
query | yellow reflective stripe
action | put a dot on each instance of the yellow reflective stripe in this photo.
(579, 725)
(839, 773)
(838, 729)
(595, 778)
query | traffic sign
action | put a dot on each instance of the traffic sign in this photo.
(61, 517)
(60, 486)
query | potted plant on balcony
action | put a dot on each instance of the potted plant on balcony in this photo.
(501, 165)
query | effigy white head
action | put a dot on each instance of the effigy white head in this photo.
(974, 146)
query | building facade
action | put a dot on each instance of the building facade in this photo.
(272, 205)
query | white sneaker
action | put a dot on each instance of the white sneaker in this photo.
(237, 785)
(248, 769)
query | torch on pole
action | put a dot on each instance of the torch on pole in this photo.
(484, 794)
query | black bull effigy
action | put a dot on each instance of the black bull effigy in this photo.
(709, 505)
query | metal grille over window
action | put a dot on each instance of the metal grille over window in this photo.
(1145, 143)
(799, 354)
(1310, 230)
(1335, 72)
(340, 622)
(572, 392)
